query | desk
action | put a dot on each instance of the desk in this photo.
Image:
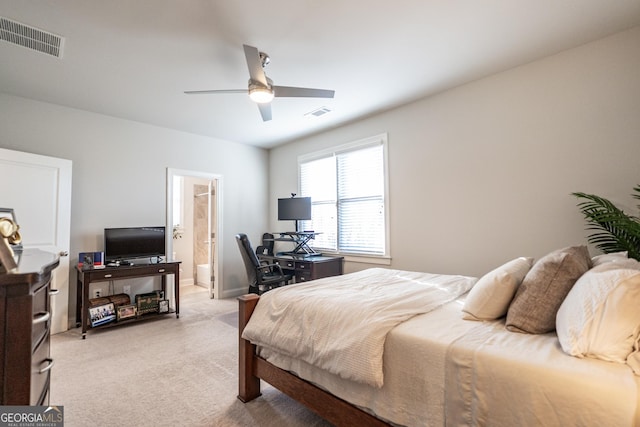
(86, 277)
(300, 239)
(305, 268)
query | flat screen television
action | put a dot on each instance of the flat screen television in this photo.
(133, 242)
(294, 208)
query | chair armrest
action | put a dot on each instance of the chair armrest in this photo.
(270, 267)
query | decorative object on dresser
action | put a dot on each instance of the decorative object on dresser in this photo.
(10, 240)
(25, 311)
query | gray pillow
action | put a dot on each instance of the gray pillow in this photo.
(534, 307)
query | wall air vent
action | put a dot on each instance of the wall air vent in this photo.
(319, 112)
(30, 37)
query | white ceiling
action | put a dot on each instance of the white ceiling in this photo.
(133, 59)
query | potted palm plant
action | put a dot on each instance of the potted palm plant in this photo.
(612, 229)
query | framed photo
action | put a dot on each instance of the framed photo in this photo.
(147, 303)
(127, 311)
(163, 306)
(102, 314)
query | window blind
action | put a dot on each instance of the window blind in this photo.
(347, 190)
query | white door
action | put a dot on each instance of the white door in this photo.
(215, 207)
(213, 217)
(38, 189)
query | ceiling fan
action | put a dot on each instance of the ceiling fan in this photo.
(261, 88)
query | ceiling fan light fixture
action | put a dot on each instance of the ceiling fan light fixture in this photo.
(261, 95)
(261, 89)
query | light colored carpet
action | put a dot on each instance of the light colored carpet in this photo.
(165, 372)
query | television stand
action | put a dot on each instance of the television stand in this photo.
(86, 277)
(301, 240)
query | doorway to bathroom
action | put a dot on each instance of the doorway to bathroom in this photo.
(193, 215)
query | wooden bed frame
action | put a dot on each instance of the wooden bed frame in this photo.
(254, 368)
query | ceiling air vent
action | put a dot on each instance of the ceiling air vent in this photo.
(319, 112)
(30, 37)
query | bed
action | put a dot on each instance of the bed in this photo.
(439, 365)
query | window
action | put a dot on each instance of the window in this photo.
(347, 186)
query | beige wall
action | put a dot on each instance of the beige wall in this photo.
(119, 174)
(483, 173)
(478, 174)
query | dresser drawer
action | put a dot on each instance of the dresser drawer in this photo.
(303, 276)
(142, 270)
(41, 365)
(41, 315)
(289, 265)
(44, 399)
(303, 266)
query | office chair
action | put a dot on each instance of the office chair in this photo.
(262, 277)
(267, 245)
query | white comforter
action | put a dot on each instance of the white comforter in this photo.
(340, 324)
(443, 370)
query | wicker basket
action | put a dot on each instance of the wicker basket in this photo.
(120, 299)
(117, 300)
(94, 302)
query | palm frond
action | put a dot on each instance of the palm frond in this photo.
(612, 229)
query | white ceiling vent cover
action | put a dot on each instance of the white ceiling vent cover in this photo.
(30, 37)
(319, 112)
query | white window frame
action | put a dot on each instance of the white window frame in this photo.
(381, 139)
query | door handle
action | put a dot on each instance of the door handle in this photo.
(63, 253)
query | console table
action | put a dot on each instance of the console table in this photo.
(86, 277)
(305, 268)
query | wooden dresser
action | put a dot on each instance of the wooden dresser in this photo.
(25, 327)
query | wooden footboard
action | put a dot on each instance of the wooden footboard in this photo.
(253, 368)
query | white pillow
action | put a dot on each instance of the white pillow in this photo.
(612, 257)
(491, 295)
(600, 318)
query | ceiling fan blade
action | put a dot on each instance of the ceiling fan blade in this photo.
(255, 65)
(265, 111)
(288, 91)
(202, 92)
